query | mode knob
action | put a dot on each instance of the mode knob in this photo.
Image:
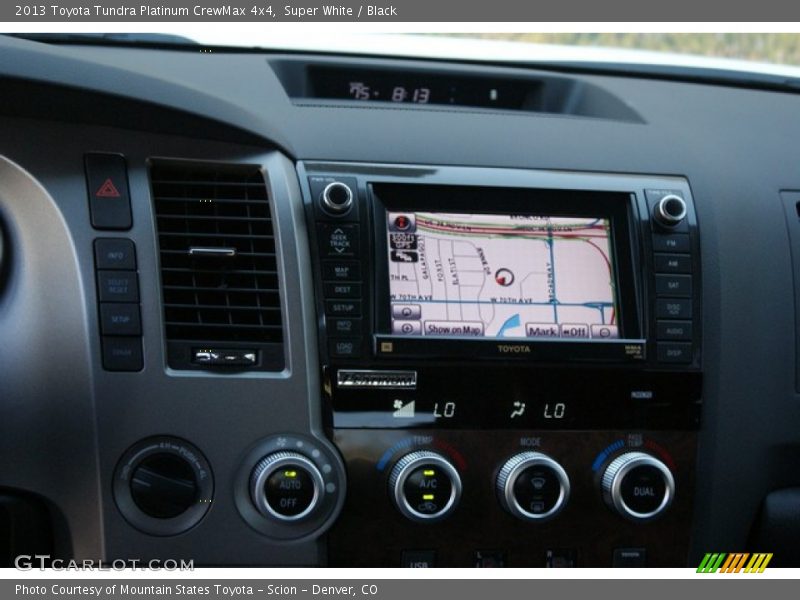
(532, 486)
(638, 486)
(286, 486)
(337, 198)
(670, 210)
(425, 486)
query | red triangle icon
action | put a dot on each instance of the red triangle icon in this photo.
(107, 190)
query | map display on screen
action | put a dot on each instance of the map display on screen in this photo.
(501, 276)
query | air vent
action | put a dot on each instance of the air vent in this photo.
(219, 274)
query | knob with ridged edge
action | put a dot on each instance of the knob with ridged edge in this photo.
(286, 486)
(638, 486)
(532, 486)
(425, 486)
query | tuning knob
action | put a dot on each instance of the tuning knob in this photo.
(286, 486)
(638, 486)
(425, 486)
(532, 486)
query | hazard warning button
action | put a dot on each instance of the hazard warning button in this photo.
(109, 200)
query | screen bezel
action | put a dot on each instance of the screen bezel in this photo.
(618, 207)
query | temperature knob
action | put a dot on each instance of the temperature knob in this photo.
(425, 486)
(286, 486)
(638, 486)
(532, 486)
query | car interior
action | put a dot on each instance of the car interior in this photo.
(276, 307)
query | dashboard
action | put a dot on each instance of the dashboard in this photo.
(268, 307)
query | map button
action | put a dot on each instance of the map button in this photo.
(605, 332)
(574, 330)
(407, 327)
(341, 270)
(338, 240)
(407, 312)
(542, 330)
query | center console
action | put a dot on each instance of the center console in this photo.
(511, 363)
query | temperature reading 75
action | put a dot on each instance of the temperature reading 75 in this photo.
(555, 411)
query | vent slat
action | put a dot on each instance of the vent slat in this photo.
(236, 236)
(204, 201)
(216, 300)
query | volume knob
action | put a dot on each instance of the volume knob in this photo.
(670, 210)
(638, 486)
(337, 198)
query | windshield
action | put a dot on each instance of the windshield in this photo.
(776, 48)
(771, 54)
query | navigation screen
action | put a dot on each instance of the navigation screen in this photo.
(501, 276)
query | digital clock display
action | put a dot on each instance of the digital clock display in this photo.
(418, 87)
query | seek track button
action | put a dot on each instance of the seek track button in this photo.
(338, 240)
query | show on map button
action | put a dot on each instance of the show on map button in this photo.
(460, 328)
(542, 330)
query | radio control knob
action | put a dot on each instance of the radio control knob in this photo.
(337, 198)
(286, 486)
(670, 210)
(638, 486)
(532, 486)
(425, 486)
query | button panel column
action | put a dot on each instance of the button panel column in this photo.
(119, 308)
(339, 247)
(674, 284)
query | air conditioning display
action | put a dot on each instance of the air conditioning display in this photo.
(501, 276)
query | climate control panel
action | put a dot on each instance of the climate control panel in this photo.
(522, 499)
